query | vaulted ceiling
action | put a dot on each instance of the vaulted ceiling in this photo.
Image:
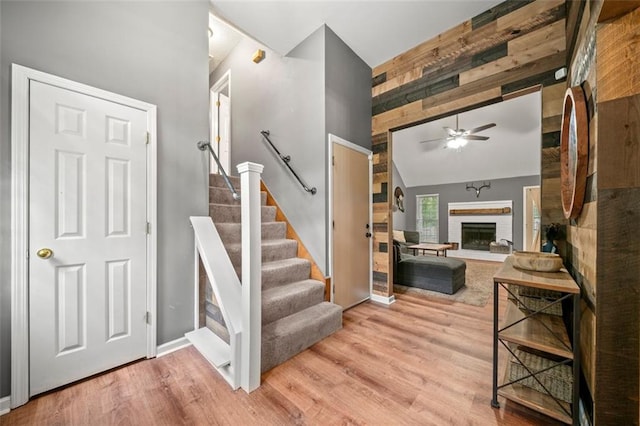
(375, 30)
(513, 148)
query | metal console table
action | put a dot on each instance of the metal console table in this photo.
(532, 329)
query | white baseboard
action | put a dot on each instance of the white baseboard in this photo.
(382, 299)
(172, 346)
(5, 405)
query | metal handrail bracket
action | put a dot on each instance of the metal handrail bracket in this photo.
(286, 159)
(202, 146)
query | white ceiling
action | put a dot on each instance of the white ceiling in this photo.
(222, 40)
(375, 30)
(512, 150)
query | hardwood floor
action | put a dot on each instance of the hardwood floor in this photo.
(421, 361)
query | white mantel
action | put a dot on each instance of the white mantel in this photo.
(504, 227)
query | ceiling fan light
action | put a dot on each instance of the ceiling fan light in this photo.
(457, 143)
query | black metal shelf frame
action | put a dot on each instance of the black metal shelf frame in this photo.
(534, 315)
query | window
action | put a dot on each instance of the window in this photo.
(427, 223)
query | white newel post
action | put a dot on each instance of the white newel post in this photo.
(251, 275)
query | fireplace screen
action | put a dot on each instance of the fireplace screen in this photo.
(478, 236)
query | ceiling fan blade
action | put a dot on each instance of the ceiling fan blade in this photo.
(450, 131)
(481, 128)
(434, 140)
(475, 137)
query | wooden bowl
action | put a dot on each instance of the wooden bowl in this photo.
(536, 261)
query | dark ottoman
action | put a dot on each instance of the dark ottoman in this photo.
(437, 273)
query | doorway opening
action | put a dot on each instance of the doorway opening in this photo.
(223, 38)
(220, 113)
(506, 154)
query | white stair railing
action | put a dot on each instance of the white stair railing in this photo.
(225, 357)
(241, 305)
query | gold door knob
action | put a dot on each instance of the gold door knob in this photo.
(44, 253)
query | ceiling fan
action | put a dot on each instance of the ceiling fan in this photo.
(457, 138)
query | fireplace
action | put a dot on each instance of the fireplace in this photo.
(478, 236)
(470, 228)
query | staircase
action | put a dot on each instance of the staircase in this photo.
(294, 313)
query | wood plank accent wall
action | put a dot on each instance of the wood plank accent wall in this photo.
(502, 53)
(382, 250)
(582, 240)
(603, 243)
(617, 383)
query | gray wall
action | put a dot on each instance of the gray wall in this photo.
(400, 218)
(347, 78)
(501, 189)
(299, 98)
(152, 51)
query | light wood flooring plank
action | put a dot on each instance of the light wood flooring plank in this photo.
(420, 361)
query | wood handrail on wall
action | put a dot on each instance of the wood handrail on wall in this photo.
(316, 272)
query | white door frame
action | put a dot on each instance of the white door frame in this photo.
(224, 81)
(331, 140)
(526, 244)
(21, 76)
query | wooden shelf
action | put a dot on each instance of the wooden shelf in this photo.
(532, 333)
(535, 400)
(557, 281)
(466, 212)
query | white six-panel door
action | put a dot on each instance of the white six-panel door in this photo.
(87, 180)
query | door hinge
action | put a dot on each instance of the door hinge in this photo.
(148, 229)
(217, 103)
(148, 137)
(147, 317)
(333, 160)
(218, 139)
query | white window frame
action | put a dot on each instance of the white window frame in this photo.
(423, 233)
